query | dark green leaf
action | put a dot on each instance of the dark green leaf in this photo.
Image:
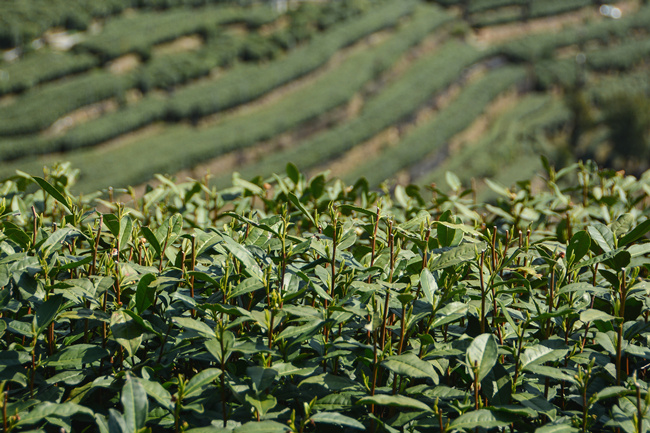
(395, 400)
(145, 295)
(336, 419)
(578, 247)
(135, 404)
(482, 355)
(482, 418)
(410, 365)
(54, 192)
(77, 355)
(46, 312)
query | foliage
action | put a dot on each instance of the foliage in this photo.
(426, 140)
(308, 305)
(405, 96)
(139, 32)
(246, 83)
(22, 21)
(27, 114)
(41, 66)
(628, 118)
(138, 164)
(518, 131)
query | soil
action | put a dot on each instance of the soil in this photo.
(180, 45)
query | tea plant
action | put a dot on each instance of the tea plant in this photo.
(302, 305)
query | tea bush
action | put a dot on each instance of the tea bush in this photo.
(310, 305)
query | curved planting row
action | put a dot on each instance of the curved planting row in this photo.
(318, 306)
(238, 86)
(165, 71)
(517, 131)
(434, 135)
(416, 87)
(22, 21)
(541, 46)
(332, 89)
(140, 32)
(41, 66)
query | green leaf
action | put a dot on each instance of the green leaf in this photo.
(156, 391)
(551, 372)
(613, 391)
(622, 225)
(195, 325)
(55, 240)
(410, 365)
(636, 233)
(126, 331)
(221, 348)
(54, 192)
(116, 423)
(539, 354)
(46, 312)
(262, 427)
(112, 223)
(151, 238)
(293, 173)
(53, 410)
(246, 185)
(557, 428)
(196, 384)
(77, 355)
(482, 418)
(395, 400)
(482, 355)
(591, 315)
(296, 202)
(135, 404)
(261, 377)
(459, 254)
(358, 209)
(16, 234)
(126, 229)
(453, 181)
(245, 257)
(498, 188)
(450, 313)
(336, 419)
(145, 295)
(429, 286)
(578, 247)
(301, 333)
(262, 403)
(330, 382)
(448, 236)
(602, 236)
(247, 286)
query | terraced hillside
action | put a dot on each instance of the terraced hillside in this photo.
(384, 89)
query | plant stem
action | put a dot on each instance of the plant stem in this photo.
(93, 267)
(35, 226)
(390, 277)
(4, 411)
(481, 262)
(192, 268)
(621, 314)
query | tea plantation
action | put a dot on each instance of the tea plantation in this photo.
(329, 218)
(310, 305)
(383, 89)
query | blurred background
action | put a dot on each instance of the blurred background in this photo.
(394, 91)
